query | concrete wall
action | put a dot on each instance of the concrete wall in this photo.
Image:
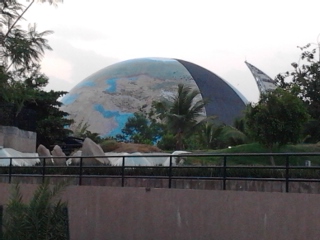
(99, 212)
(197, 184)
(20, 140)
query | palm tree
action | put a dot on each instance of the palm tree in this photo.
(182, 114)
(10, 11)
(20, 49)
(214, 135)
(209, 134)
(231, 136)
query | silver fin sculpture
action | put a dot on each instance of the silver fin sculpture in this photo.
(264, 82)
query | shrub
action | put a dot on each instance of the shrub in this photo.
(44, 217)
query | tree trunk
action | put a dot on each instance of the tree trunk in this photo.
(179, 145)
(271, 157)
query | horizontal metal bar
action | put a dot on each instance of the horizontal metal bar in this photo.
(207, 154)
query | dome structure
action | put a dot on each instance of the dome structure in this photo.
(106, 99)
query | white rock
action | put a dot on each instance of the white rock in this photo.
(44, 153)
(75, 158)
(90, 148)
(61, 156)
(11, 153)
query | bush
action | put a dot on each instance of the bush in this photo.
(44, 217)
(109, 145)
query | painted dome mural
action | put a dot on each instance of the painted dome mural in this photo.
(107, 98)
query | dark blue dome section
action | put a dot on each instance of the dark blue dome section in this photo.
(225, 102)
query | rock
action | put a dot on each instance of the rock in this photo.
(44, 153)
(90, 148)
(60, 159)
(17, 158)
(176, 160)
(75, 158)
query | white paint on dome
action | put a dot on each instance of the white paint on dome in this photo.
(162, 59)
(167, 95)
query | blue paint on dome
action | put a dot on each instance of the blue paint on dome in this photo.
(86, 84)
(120, 118)
(133, 78)
(105, 113)
(69, 98)
(112, 83)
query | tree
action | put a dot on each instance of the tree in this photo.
(181, 114)
(277, 119)
(44, 217)
(139, 129)
(20, 48)
(21, 82)
(304, 82)
(167, 142)
(208, 135)
(34, 109)
(213, 135)
(80, 130)
(51, 122)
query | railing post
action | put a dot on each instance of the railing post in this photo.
(1, 216)
(170, 171)
(122, 171)
(287, 173)
(43, 169)
(10, 169)
(224, 172)
(80, 171)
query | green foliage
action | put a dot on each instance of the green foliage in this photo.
(208, 134)
(213, 135)
(20, 48)
(42, 218)
(167, 142)
(311, 131)
(231, 136)
(21, 82)
(259, 160)
(277, 119)
(51, 121)
(304, 82)
(81, 131)
(108, 145)
(182, 114)
(138, 129)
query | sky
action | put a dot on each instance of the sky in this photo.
(217, 35)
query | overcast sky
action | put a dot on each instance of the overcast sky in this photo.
(216, 34)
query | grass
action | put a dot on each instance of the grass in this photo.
(259, 160)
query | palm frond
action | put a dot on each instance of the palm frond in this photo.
(42, 218)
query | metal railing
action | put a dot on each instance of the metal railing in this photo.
(286, 172)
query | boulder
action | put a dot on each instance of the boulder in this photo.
(17, 158)
(44, 153)
(176, 160)
(60, 159)
(90, 148)
(75, 158)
